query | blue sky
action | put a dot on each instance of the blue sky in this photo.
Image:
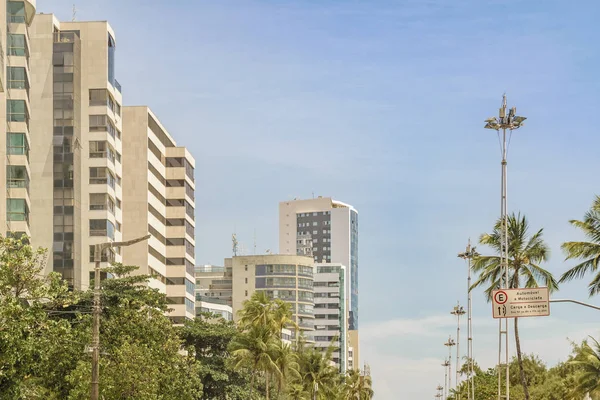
(379, 104)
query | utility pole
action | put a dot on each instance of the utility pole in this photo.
(458, 311)
(446, 364)
(449, 344)
(98, 250)
(468, 255)
(511, 122)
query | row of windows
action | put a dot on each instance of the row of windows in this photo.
(315, 232)
(327, 284)
(314, 223)
(314, 214)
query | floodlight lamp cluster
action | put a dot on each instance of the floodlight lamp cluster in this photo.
(509, 121)
(450, 342)
(458, 310)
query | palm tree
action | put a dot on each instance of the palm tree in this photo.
(255, 350)
(317, 371)
(296, 392)
(258, 310)
(286, 360)
(588, 363)
(358, 387)
(588, 251)
(525, 253)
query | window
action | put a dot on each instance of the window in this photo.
(98, 97)
(246, 293)
(101, 201)
(102, 149)
(16, 45)
(17, 78)
(102, 227)
(315, 223)
(17, 111)
(111, 60)
(118, 204)
(102, 123)
(17, 144)
(108, 255)
(17, 210)
(100, 176)
(15, 11)
(246, 280)
(17, 177)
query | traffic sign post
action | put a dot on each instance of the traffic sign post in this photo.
(513, 303)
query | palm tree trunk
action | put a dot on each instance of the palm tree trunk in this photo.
(267, 380)
(520, 360)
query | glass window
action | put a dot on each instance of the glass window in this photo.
(15, 11)
(17, 177)
(16, 45)
(17, 78)
(102, 227)
(98, 97)
(17, 210)
(16, 111)
(111, 60)
(16, 143)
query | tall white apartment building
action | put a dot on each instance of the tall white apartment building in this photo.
(76, 144)
(16, 18)
(327, 229)
(158, 198)
(331, 313)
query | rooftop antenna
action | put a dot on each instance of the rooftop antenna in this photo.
(235, 244)
(74, 13)
(254, 241)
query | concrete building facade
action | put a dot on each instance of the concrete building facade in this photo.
(76, 196)
(283, 276)
(331, 228)
(331, 313)
(158, 198)
(15, 115)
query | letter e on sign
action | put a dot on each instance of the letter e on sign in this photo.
(500, 297)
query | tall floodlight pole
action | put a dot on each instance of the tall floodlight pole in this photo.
(468, 255)
(505, 121)
(449, 344)
(458, 311)
(446, 364)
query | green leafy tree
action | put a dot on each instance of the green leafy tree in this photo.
(31, 343)
(587, 251)
(525, 254)
(210, 338)
(140, 348)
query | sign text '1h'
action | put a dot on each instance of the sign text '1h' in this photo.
(511, 303)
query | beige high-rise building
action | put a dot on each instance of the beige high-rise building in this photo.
(328, 230)
(283, 276)
(158, 198)
(76, 147)
(15, 115)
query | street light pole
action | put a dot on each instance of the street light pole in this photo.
(446, 364)
(449, 344)
(511, 122)
(98, 249)
(458, 311)
(468, 255)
